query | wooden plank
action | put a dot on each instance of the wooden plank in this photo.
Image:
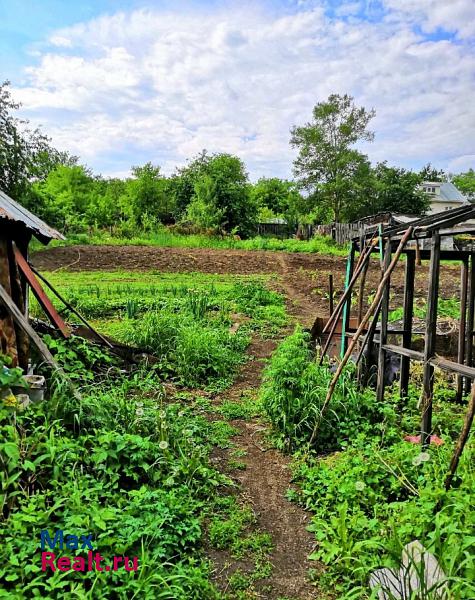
(453, 367)
(377, 298)
(39, 293)
(72, 309)
(26, 327)
(429, 340)
(408, 305)
(8, 337)
(383, 334)
(23, 323)
(467, 424)
(332, 322)
(406, 352)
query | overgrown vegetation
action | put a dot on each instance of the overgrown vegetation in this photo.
(128, 464)
(198, 326)
(372, 492)
(165, 237)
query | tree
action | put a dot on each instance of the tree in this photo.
(327, 164)
(67, 197)
(26, 155)
(239, 211)
(430, 173)
(398, 190)
(181, 185)
(465, 182)
(220, 182)
(203, 210)
(148, 195)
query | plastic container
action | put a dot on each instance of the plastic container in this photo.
(35, 390)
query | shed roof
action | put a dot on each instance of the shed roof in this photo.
(12, 211)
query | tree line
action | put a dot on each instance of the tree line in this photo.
(334, 181)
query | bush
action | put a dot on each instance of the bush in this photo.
(294, 391)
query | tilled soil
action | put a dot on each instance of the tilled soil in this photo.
(303, 276)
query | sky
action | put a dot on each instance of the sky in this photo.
(123, 82)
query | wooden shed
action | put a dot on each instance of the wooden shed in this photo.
(17, 227)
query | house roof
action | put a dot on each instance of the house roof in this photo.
(12, 211)
(448, 192)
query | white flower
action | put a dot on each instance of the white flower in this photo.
(181, 414)
(162, 414)
(163, 445)
(416, 461)
(424, 456)
(139, 412)
(139, 404)
(360, 486)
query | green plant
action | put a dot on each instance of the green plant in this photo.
(293, 393)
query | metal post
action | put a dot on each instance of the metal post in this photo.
(383, 333)
(407, 326)
(347, 308)
(430, 338)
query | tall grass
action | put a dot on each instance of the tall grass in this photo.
(166, 239)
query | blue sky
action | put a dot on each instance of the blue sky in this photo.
(123, 82)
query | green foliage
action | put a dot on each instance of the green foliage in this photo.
(9, 375)
(25, 155)
(120, 465)
(390, 189)
(377, 492)
(150, 202)
(465, 182)
(184, 320)
(164, 237)
(369, 501)
(294, 391)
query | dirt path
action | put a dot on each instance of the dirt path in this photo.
(263, 485)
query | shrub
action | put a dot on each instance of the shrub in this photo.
(294, 391)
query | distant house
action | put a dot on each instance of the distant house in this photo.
(443, 196)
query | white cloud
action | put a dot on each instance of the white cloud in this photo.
(167, 84)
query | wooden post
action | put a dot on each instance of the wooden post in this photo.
(347, 308)
(469, 322)
(407, 326)
(383, 333)
(330, 292)
(467, 424)
(429, 339)
(462, 326)
(359, 331)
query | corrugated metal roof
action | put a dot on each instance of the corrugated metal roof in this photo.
(447, 192)
(451, 193)
(11, 210)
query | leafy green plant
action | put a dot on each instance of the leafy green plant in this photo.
(294, 391)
